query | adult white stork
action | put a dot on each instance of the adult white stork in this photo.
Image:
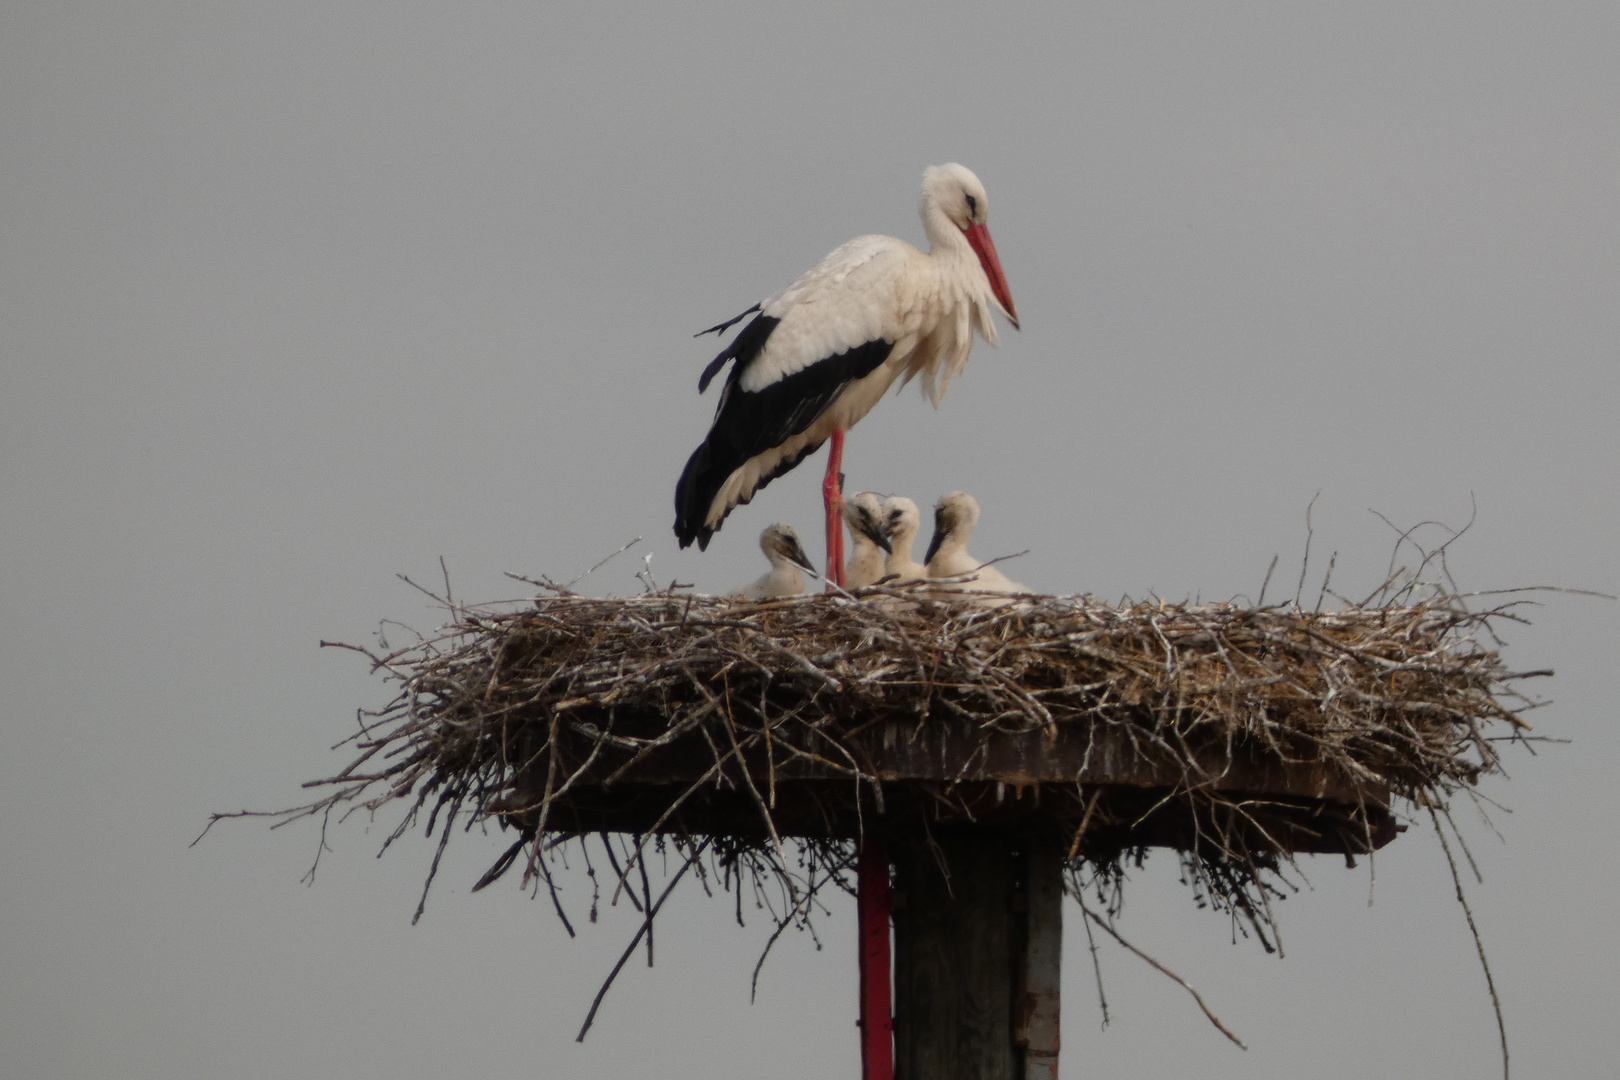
(820, 353)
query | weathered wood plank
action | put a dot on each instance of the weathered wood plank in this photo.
(1032, 777)
(1040, 976)
(953, 958)
(953, 751)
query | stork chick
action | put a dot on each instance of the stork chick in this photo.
(781, 546)
(900, 524)
(955, 516)
(863, 513)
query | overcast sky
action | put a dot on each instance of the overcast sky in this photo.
(297, 297)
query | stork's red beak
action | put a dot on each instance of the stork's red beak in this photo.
(985, 248)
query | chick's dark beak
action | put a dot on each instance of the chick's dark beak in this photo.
(797, 556)
(875, 533)
(941, 527)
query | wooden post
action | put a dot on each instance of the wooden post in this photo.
(953, 940)
(978, 944)
(1040, 975)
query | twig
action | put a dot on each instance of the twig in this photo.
(1085, 820)
(1310, 532)
(652, 911)
(1096, 962)
(1260, 603)
(603, 563)
(1177, 979)
(1479, 945)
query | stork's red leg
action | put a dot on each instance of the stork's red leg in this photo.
(832, 494)
(872, 907)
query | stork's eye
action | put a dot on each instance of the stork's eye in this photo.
(973, 207)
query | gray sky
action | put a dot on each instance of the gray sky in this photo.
(297, 296)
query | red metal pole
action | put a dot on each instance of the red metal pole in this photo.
(872, 907)
(832, 494)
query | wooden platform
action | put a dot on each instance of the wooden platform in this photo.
(1035, 783)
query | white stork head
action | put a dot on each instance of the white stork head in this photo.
(955, 516)
(954, 206)
(869, 548)
(901, 521)
(863, 513)
(781, 546)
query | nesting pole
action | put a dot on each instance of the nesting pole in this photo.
(1040, 953)
(978, 957)
(954, 962)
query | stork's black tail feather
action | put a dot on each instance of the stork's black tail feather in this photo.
(701, 482)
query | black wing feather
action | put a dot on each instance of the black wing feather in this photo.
(747, 345)
(748, 423)
(720, 328)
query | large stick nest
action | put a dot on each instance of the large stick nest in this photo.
(744, 725)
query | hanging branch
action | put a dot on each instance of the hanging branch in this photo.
(645, 928)
(1172, 976)
(1479, 945)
